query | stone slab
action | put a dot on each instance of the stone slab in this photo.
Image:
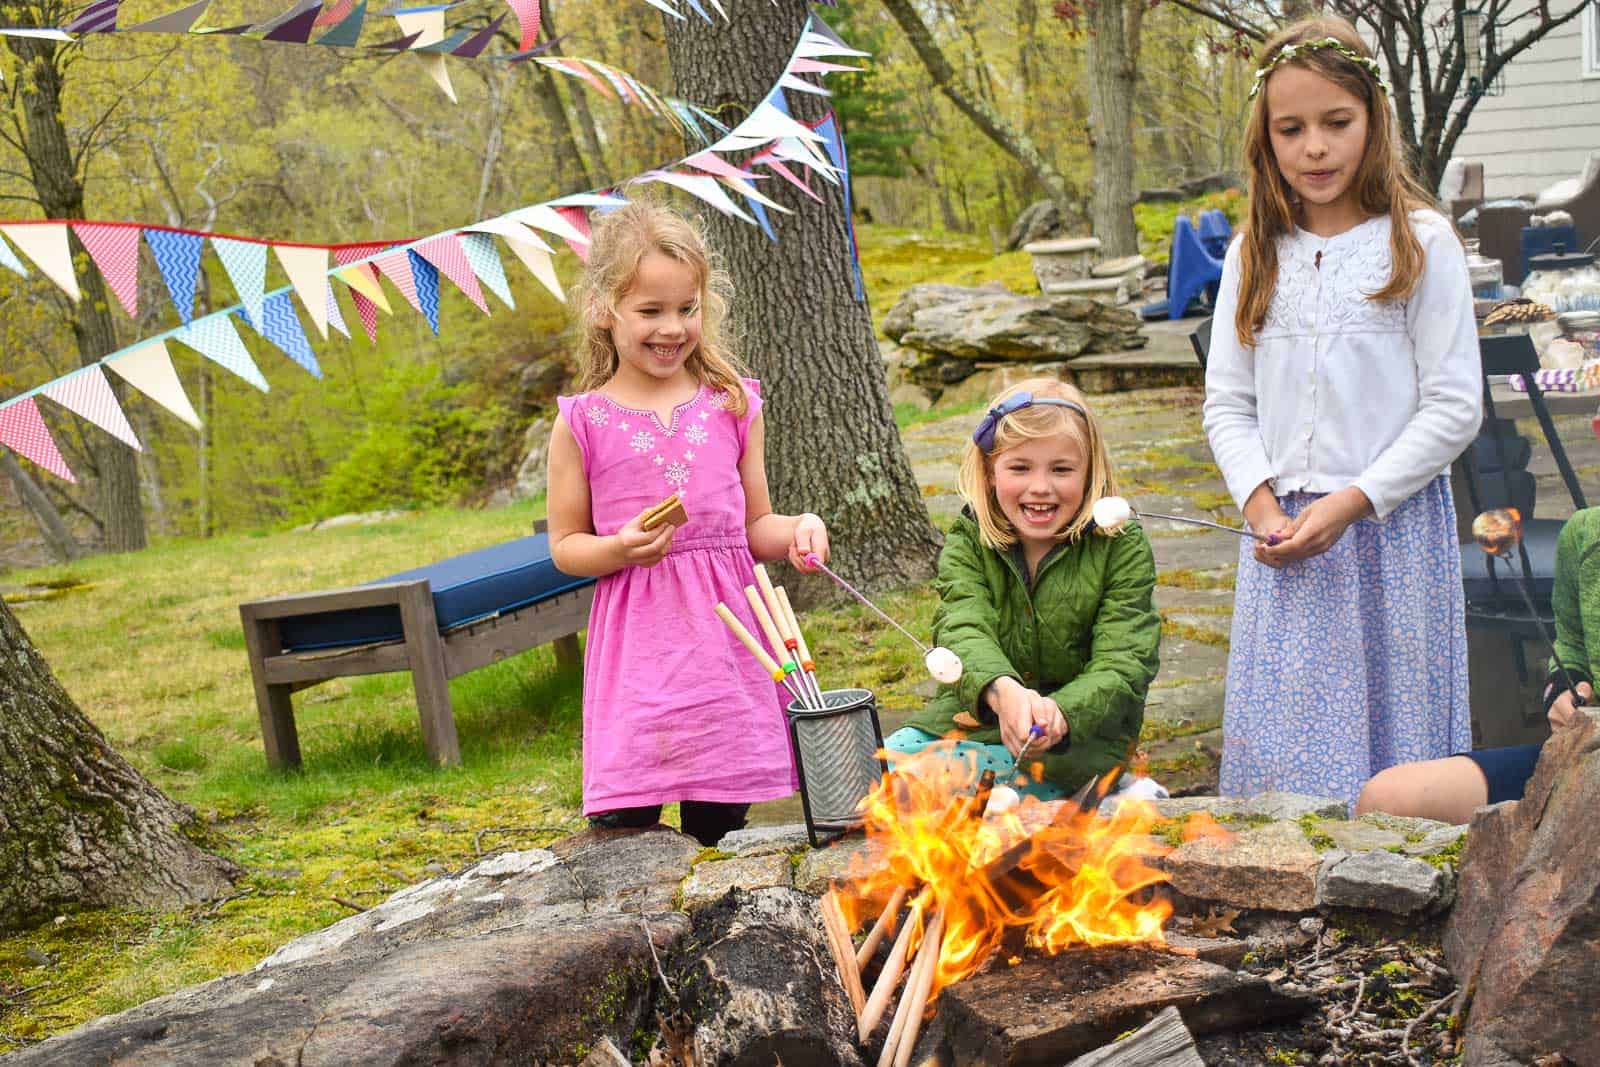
(1272, 867)
(711, 879)
(1383, 881)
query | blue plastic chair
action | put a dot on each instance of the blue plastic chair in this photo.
(1192, 268)
(1215, 233)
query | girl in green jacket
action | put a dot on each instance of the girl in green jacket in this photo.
(1052, 617)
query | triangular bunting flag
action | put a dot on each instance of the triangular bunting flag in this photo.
(485, 260)
(297, 28)
(475, 44)
(364, 285)
(433, 63)
(445, 253)
(246, 264)
(368, 300)
(336, 315)
(396, 266)
(790, 81)
(662, 5)
(507, 226)
(281, 326)
(115, 250)
(293, 15)
(535, 255)
(177, 21)
(332, 16)
(148, 369)
(698, 10)
(214, 337)
(547, 219)
(348, 31)
(46, 245)
(89, 394)
(527, 12)
(98, 17)
(9, 259)
(702, 188)
(178, 255)
(761, 218)
(307, 267)
(22, 430)
(427, 281)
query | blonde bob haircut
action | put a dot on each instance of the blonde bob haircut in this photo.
(619, 243)
(1383, 184)
(1040, 420)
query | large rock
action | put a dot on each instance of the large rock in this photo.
(525, 957)
(1383, 881)
(1039, 221)
(985, 325)
(1271, 866)
(756, 984)
(1524, 934)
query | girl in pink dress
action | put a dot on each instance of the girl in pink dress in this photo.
(674, 709)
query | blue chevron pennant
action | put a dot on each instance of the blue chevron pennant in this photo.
(281, 326)
(426, 276)
(178, 256)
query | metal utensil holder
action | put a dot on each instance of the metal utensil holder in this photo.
(836, 753)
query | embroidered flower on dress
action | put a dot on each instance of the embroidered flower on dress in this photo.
(643, 441)
(719, 400)
(622, 426)
(677, 474)
(660, 459)
(705, 414)
(697, 435)
(689, 455)
(597, 415)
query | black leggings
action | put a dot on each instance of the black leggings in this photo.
(705, 821)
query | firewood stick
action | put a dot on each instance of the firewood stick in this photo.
(885, 923)
(884, 986)
(932, 944)
(839, 938)
(908, 1013)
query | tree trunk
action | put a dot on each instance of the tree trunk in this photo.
(1113, 67)
(78, 825)
(1013, 142)
(60, 192)
(832, 444)
(51, 525)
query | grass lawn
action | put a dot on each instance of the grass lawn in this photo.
(149, 645)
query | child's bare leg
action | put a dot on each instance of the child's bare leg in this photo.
(1444, 789)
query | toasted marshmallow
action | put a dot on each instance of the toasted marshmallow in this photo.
(1110, 512)
(1002, 799)
(944, 665)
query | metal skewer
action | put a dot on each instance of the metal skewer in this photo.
(1270, 539)
(813, 560)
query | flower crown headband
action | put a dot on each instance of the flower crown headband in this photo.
(1288, 52)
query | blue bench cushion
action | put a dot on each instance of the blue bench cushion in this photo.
(1540, 536)
(466, 588)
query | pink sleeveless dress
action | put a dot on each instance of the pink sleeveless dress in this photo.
(674, 707)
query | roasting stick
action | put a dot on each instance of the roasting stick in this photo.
(770, 628)
(907, 1024)
(775, 609)
(893, 967)
(885, 922)
(748, 640)
(807, 664)
(839, 940)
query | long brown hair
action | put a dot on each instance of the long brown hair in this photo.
(1383, 183)
(976, 479)
(618, 244)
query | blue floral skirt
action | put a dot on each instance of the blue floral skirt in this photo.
(1352, 661)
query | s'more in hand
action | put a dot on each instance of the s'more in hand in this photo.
(669, 510)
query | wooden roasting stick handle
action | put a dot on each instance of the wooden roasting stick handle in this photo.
(839, 939)
(749, 641)
(885, 922)
(888, 977)
(768, 624)
(807, 664)
(770, 595)
(907, 1024)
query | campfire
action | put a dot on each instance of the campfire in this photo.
(963, 884)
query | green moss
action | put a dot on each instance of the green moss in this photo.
(1171, 830)
(1311, 826)
(1201, 634)
(1449, 857)
(710, 852)
(1197, 579)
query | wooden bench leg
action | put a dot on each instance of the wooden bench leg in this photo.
(567, 652)
(425, 650)
(274, 704)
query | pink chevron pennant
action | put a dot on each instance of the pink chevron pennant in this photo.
(445, 252)
(396, 266)
(115, 250)
(366, 308)
(22, 430)
(87, 393)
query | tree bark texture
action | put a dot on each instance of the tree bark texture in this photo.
(832, 446)
(79, 826)
(59, 187)
(1113, 69)
(56, 534)
(994, 126)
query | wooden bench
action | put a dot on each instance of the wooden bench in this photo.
(396, 624)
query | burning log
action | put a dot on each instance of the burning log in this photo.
(914, 1000)
(839, 941)
(893, 967)
(885, 923)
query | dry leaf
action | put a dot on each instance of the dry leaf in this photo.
(1214, 924)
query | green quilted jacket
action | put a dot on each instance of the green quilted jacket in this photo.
(1085, 634)
(1576, 597)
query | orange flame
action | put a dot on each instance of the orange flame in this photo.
(1043, 875)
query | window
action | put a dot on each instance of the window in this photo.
(1591, 40)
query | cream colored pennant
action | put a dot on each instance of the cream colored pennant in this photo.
(148, 369)
(46, 245)
(307, 268)
(538, 261)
